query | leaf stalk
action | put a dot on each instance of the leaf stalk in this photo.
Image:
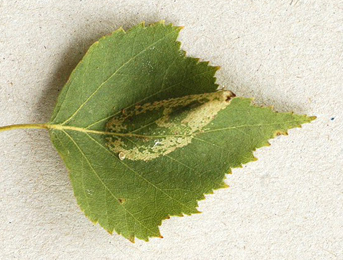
(23, 126)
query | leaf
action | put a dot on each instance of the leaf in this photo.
(145, 135)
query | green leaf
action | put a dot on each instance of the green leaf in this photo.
(145, 135)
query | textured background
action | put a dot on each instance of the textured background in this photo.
(287, 205)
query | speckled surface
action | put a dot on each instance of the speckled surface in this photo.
(287, 205)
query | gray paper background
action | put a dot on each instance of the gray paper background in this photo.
(288, 54)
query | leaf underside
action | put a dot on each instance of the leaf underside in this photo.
(142, 141)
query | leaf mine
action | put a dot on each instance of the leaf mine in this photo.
(173, 122)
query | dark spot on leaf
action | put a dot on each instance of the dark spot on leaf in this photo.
(228, 97)
(121, 200)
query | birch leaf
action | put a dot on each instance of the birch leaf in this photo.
(145, 134)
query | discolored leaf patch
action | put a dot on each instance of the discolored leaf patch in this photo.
(155, 129)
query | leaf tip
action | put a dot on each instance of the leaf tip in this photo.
(180, 28)
(312, 118)
(216, 68)
(131, 239)
(224, 186)
(120, 29)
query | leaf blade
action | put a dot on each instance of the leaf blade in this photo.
(133, 197)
